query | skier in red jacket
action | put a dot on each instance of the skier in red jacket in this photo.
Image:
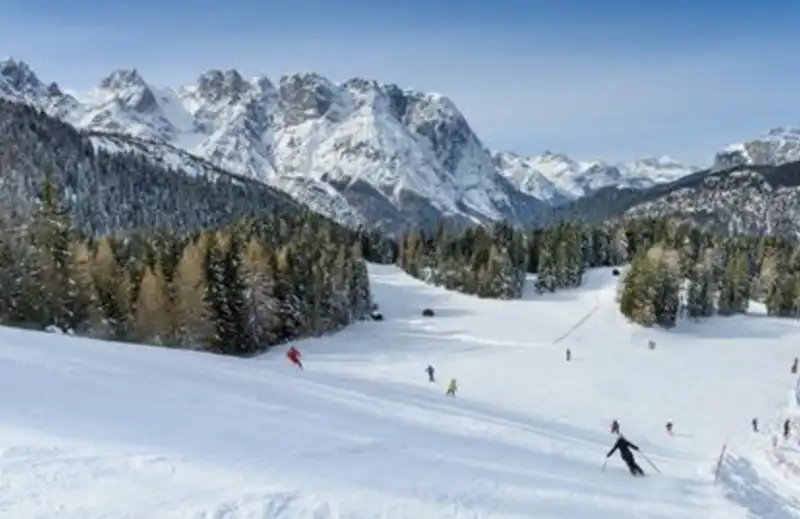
(294, 356)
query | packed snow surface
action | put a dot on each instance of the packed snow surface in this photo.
(95, 430)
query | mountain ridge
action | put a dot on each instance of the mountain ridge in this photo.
(356, 151)
(739, 199)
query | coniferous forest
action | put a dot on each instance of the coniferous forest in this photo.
(233, 290)
(241, 286)
(116, 246)
(676, 270)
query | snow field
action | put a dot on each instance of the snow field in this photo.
(99, 430)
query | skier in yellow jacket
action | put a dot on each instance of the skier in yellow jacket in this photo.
(452, 387)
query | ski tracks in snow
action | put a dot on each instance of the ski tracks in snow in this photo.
(360, 433)
(578, 324)
(759, 488)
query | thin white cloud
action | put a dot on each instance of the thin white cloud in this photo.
(584, 101)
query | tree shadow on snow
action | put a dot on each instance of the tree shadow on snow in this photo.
(365, 342)
(408, 301)
(564, 294)
(596, 280)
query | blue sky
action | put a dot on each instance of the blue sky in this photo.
(594, 79)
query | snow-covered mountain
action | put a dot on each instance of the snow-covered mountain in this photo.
(777, 146)
(356, 151)
(742, 200)
(556, 177)
(395, 157)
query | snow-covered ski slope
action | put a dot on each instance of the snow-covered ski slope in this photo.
(92, 430)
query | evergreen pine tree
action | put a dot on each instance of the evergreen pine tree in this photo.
(262, 305)
(546, 277)
(667, 284)
(636, 292)
(153, 315)
(234, 338)
(700, 299)
(193, 314)
(64, 295)
(620, 252)
(112, 292)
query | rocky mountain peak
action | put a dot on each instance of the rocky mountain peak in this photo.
(308, 95)
(609, 171)
(216, 85)
(127, 88)
(399, 101)
(263, 84)
(551, 156)
(361, 85)
(53, 90)
(791, 132)
(663, 160)
(122, 79)
(19, 76)
(777, 146)
(307, 80)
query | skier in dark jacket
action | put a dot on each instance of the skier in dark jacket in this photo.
(429, 371)
(625, 453)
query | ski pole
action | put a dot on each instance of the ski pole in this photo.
(650, 462)
(603, 469)
(719, 461)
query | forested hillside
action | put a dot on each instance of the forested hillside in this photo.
(492, 262)
(112, 192)
(696, 275)
(721, 273)
(99, 243)
(236, 290)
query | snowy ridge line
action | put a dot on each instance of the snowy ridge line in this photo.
(206, 164)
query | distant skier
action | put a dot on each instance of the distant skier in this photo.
(615, 427)
(294, 356)
(429, 371)
(625, 453)
(452, 387)
(669, 427)
(569, 355)
(787, 428)
(755, 424)
(794, 366)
